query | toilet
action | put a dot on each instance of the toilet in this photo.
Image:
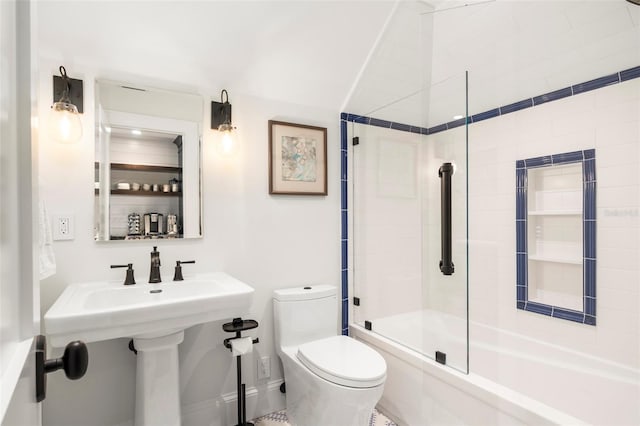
(331, 380)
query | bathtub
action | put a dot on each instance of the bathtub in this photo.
(513, 379)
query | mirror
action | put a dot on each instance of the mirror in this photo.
(147, 163)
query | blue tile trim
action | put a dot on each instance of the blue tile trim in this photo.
(567, 157)
(521, 293)
(521, 203)
(589, 239)
(597, 83)
(568, 314)
(576, 89)
(521, 239)
(380, 123)
(552, 96)
(590, 279)
(345, 225)
(589, 201)
(345, 254)
(343, 133)
(343, 198)
(437, 129)
(538, 161)
(516, 106)
(590, 306)
(587, 158)
(401, 127)
(345, 318)
(630, 74)
(456, 123)
(589, 170)
(589, 154)
(345, 331)
(343, 164)
(485, 115)
(538, 308)
(521, 265)
(521, 177)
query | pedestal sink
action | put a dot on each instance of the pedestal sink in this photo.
(155, 316)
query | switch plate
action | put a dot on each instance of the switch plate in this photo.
(264, 368)
(63, 227)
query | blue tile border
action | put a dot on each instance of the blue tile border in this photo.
(597, 83)
(630, 74)
(587, 159)
(619, 77)
(552, 96)
(516, 106)
(555, 95)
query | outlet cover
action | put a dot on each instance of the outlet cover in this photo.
(264, 368)
(62, 227)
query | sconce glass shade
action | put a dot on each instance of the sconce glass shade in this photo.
(227, 137)
(64, 123)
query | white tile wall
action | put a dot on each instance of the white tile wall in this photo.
(607, 119)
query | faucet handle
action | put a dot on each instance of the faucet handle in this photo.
(129, 279)
(177, 275)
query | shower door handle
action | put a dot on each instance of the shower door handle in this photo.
(445, 172)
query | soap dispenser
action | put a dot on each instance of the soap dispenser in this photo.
(154, 275)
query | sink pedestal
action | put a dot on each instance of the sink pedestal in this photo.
(157, 379)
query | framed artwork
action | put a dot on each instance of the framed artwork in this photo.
(297, 159)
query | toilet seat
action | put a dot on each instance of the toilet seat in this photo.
(344, 361)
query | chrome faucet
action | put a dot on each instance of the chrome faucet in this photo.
(154, 275)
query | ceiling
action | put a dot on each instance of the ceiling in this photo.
(400, 61)
(303, 52)
(512, 49)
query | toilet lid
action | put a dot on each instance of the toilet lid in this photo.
(344, 361)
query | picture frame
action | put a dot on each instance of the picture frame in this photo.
(297, 159)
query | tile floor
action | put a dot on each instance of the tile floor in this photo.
(279, 418)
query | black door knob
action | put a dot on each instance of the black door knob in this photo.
(74, 362)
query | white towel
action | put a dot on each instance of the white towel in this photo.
(47, 258)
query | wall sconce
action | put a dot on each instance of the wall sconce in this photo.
(221, 120)
(64, 120)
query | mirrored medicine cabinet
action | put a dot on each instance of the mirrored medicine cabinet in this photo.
(147, 177)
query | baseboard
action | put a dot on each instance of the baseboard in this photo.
(262, 399)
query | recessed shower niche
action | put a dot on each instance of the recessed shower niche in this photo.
(555, 229)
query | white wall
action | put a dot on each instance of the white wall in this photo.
(267, 241)
(608, 120)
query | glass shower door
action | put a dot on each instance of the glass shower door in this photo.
(410, 271)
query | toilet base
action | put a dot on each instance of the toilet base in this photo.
(314, 401)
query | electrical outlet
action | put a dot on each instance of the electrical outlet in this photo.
(62, 225)
(264, 368)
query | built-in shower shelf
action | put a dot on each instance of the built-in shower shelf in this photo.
(555, 213)
(553, 259)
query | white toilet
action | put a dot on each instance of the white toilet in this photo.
(331, 380)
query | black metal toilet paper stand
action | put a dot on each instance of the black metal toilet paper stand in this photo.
(238, 325)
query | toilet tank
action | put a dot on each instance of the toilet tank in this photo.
(304, 314)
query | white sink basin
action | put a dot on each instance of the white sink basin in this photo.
(107, 310)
